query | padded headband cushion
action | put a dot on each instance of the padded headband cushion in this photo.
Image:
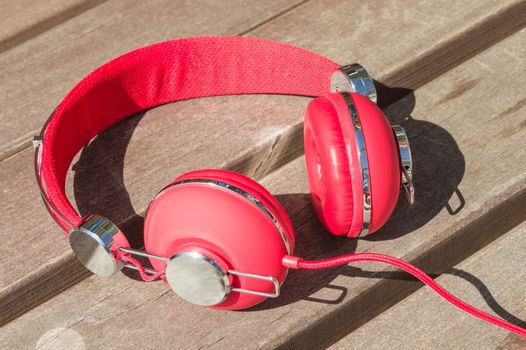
(167, 72)
(328, 166)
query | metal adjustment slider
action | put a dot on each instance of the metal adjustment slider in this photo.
(406, 163)
(38, 144)
(354, 78)
(37, 148)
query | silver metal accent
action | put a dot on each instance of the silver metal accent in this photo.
(406, 163)
(38, 145)
(143, 254)
(94, 245)
(197, 278)
(37, 141)
(364, 164)
(271, 279)
(354, 78)
(133, 267)
(239, 191)
(200, 280)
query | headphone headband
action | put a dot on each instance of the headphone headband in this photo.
(160, 74)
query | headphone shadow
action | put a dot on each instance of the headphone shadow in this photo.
(103, 191)
(438, 165)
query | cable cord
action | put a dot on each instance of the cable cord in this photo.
(416, 272)
(140, 268)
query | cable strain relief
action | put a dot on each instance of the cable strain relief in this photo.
(291, 262)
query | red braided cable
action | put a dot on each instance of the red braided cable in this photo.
(413, 270)
(144, 275)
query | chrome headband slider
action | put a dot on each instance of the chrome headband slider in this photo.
(354, 78)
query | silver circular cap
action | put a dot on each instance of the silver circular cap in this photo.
(197, 278)
(92, 242)
(354, 78)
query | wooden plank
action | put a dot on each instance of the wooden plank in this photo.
(41, 71)
(382, 34)
(272, 141)
(492, 279)
(23, 282)
(335, 30)
(317, 308)
(24, 19)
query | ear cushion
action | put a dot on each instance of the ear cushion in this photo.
(248, 185)
(383, 159)
(328, 166)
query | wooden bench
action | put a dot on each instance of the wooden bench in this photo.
(453, 78)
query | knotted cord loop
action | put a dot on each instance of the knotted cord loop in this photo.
(125, 257)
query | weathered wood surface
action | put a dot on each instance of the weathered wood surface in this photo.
(41, 71)
(493, 280)
(22, 20)
(25, 282)
(448, 117)
(271, 124)
(337, 30)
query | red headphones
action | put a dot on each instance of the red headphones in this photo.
(217, 237)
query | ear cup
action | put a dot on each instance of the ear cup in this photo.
(222, 217)
(333, 163)
(328, 166)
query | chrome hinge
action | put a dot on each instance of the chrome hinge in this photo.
(37, 141)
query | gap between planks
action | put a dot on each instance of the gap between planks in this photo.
(47, 24)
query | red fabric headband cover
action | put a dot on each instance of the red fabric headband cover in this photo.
(167, 72)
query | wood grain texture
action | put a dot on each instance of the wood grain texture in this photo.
(492, 279)
(165, 144)
(24, 19)
(41, 71)
(445, 119)
(336, 29)
(23, 282)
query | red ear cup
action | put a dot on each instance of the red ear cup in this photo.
(220, 214)
(333, 163)
(328, 166)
